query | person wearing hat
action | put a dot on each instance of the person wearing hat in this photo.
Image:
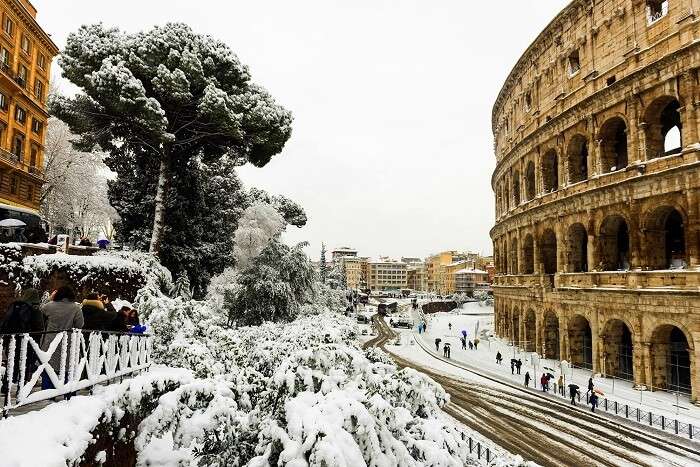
(23, 315)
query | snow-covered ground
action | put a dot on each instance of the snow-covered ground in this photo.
(473, 316)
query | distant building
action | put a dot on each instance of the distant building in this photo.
(355, 271)
(387, 275)
(416, 276)
(466, 280)
(342, 253)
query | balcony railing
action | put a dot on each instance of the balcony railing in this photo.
(13, 160)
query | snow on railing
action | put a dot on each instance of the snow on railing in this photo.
(75, 359)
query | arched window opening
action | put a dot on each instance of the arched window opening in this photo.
(548, 252)
(516, 188)
(578, 248)
(550, 336)
(613, 147)
(528, 255)
(530, 329)
(618, 354)
(581, 342)
(663, 127)
(513, 256)
(550, 171)
(665, 239)
(530, 189)
(614, 244)
(671, 359)
(578, 159)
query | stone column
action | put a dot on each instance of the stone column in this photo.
(647, 364)
(694, 377)
(594, 339)
(689, 115)
(594, 162)
(562, 260)
(639, 361)
(592, 252)
(632, 132)
(692, 239)
(636, 254)
(538, 266)
(642, 136)
(539, 331)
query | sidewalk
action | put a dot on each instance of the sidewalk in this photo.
(615, 390)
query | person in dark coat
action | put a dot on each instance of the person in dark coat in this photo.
(573, 392)
(512, 366)
(437, 343)
(464, 343)
(22, 316)
(590, 385)
(121, 320)
(593, 401)
(518, 365)
(527, 378)
(96, 317)
(471, 346)
(544, 381)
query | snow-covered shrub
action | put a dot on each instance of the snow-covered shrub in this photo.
(260, 223)
(13, 272)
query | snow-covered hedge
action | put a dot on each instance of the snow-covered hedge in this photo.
(12, 269)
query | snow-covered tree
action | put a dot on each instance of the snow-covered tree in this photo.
(323, 267)
(158, 99)
(273, 286)
(259, 224)
(74, 197)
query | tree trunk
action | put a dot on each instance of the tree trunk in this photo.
(161, 193)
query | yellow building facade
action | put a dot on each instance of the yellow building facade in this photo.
(26, 52)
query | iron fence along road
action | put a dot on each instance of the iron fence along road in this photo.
(75, 359)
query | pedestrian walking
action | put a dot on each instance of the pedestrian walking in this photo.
(449, 326)
(59, 314)
(512, 366)
(437, 343)
(560, 384)
(446, 350)
(544, 381)
(471, 346)
(498, 357)
(590, 385)
(593, 401)
(518, 365)
(527, 378)
(476, 343)
(464, 343)
(573, 392)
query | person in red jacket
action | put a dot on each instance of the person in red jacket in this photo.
(544, 381)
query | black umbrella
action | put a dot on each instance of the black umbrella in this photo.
(550, 375)
(573, 386)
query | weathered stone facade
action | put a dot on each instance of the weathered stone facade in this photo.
(597, 235)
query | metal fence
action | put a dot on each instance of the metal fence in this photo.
(476, 447)
(74, 359)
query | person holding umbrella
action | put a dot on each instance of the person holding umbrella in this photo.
(573, 392)
(437, 343)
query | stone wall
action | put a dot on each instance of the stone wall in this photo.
(438, 307)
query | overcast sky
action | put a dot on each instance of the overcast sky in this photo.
(392, 150)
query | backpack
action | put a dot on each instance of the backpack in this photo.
(18, 318)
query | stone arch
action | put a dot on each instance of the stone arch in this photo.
(577, 242)
(548, 251)
(613, 144)
(671, 359)
(614, 243)
(550, 171)
(516, 188)
(577, 158)
(665, 238)
(513, 269)
(580, 342)
(663, 127)
(530, 326)
(550, 335)
(528, 266)
(618, 349)
(530, 187)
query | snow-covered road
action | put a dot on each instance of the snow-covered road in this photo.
(546, 431)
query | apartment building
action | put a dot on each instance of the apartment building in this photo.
(467, 279)
(387, 275)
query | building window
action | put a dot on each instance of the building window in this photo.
(41, 61)
(8, 26)
(30, 192)
(37, 126)
(33, 158)
(4, 103)
(5, 59)
(22, 74)
(18, 147)
(656, 9)
(39, 89)
(26, 44)
(528, 101)
(14, 185)
(574, 63)
(20, 114)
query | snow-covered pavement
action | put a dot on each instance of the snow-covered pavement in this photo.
(472, 316)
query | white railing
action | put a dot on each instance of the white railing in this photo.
(74, 360)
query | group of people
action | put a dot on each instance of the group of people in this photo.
(465, 342)
(44, 321)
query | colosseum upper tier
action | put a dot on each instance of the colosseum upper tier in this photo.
(597, 182)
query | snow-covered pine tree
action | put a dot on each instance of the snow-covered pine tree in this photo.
(157, 99)
(323, 268)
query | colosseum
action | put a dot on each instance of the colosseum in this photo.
(597, 183)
